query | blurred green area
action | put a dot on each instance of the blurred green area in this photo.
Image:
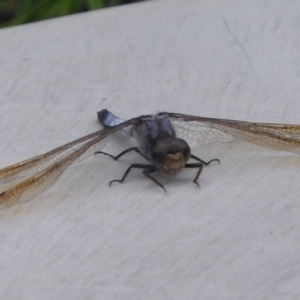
(16, 12)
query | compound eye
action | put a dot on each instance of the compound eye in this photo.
(159, 151)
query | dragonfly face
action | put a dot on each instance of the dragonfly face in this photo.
(170, 154)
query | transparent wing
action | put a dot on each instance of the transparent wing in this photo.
(208, 130)
(40, 162)
(50, 166)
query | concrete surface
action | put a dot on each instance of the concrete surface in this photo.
(238, 237)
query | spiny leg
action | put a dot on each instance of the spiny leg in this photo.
(196, 165)
(136, 149)
(200, 166)
(147, 173)
(204, 162)
(147, 170)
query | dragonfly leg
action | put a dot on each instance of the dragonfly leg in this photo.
(147, 173)
(204, 162)
(200, 167)
(147, 170)
(136, 149)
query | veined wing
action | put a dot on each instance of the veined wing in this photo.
(209, 130)
(52, 165)
(40, 162)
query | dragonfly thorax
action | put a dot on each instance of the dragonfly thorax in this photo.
(170, 154)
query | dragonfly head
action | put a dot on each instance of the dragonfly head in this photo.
(171, 154)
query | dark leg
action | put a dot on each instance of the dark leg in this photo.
(136, 149)
(147, 173)
(204, 162)
(197, 165)
(147, 170)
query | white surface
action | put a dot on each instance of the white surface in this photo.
(236, 238)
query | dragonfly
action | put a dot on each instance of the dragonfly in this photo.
(158, 144)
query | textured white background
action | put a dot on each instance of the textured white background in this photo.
(238, 237)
